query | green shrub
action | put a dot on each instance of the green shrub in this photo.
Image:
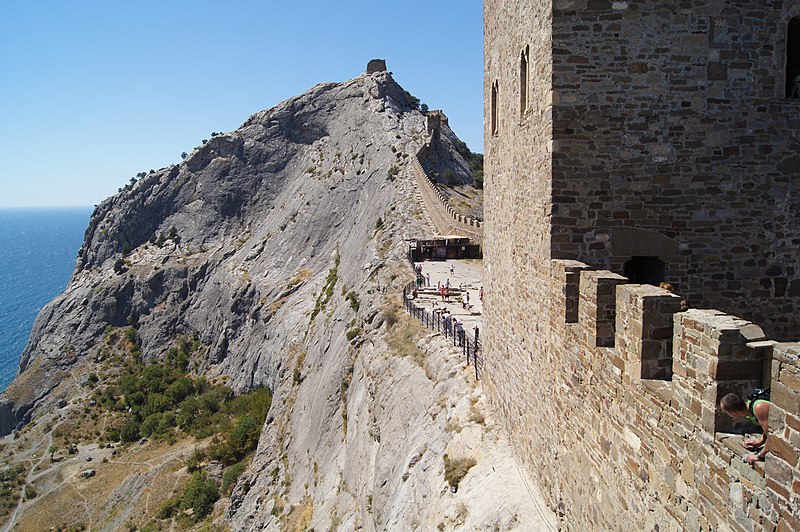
(199, 494)
(412, 100)
(230, 476)
(130, 431)
(327, 291)
(161, 400)
(352, 333)
(391, 175)
(194, 459)
(449, 178)
(353, 299)
(477, 179)
(244, 437)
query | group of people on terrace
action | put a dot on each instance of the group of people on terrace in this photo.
(448, 290)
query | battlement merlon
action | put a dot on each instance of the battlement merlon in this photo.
(711, 357)
(597, 305)
(651, 340)
(644, 330)
(566, 275)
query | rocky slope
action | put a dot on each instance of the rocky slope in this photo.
(280, 247)
(257, 210)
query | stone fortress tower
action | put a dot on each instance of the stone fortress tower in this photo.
(629, 143)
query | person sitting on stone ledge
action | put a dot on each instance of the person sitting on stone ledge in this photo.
(757, 411)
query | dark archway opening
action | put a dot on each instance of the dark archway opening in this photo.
(644, 270)
(793, 59)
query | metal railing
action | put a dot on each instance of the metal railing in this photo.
(470, 344)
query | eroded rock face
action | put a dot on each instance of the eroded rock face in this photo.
(286, 261)
(207, 248)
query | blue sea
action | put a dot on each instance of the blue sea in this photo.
(38, 247)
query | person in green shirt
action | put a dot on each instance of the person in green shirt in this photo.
(757, 412)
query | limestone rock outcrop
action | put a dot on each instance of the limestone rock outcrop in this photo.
(281, 247)
(208, 247)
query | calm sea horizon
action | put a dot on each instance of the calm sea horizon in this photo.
(38, 247)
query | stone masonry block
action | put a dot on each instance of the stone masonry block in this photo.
(644, 323)
(788, 352)
(566, 273)
(785, 398)
(597, 308)
(721, 362)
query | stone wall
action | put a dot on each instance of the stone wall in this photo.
(446, 220)
(670, 136)
(650, 129)
(671, 120)
(376, 65)
(615, 449)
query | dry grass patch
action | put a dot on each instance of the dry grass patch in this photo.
(455, 469)
(475, 414)
(401, 339)
(299, 276)
(300, 517)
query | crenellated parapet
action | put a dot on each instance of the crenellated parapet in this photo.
(446, 220)
(634, 396)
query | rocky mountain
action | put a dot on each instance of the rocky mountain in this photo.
(210, 247)
(279, 249)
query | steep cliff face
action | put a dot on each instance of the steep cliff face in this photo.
(281, 248)
(232, 245)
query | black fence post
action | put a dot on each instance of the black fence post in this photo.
(478, 348)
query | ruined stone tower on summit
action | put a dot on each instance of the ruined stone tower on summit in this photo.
(629, 143)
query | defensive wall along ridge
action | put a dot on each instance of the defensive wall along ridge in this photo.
(446, 220)
(623, 394)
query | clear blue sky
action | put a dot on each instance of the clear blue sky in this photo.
(93, 92)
